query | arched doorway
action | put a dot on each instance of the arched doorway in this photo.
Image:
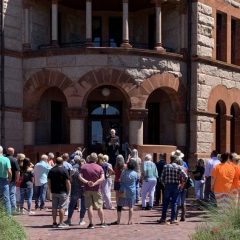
(53, 125)
(160, 126)
(220, 127)
(235, 128)
(107, 108)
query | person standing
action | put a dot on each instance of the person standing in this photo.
(77, 191)
(171, 176)
(26, 185)
(222, 179)
(198, 175)
(159, 187)
(211, 163)
(41, 171)
(15, 178)
(5, 178)
(149, 181)
(127, 191)
(134, 156)
(113, 146)
(92, 175)
(60, 187)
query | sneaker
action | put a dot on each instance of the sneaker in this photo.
(174, 222)
(68, 222)
(90, 226)
(103, 225)
(161, 221)
(63, 225)
(54, 225)
(81, 223)
(31, 213)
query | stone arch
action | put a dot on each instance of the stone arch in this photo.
(219, 93)
(105, 76)
(167, 81)
(39, 82)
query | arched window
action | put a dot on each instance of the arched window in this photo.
(235, 128)
(220, 136)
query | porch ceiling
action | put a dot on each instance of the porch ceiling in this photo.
(106, 5)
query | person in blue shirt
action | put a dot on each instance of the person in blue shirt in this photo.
(127, 191)
(41, 171)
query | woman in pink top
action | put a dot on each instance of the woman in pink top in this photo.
(118, 169)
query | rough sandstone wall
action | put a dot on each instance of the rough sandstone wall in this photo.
(39, 24)
(13, 24)
(203, 25)
(75, 66)
(13, 28)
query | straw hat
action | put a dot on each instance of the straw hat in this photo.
(177, 154)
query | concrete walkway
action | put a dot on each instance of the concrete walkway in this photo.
(39, 226)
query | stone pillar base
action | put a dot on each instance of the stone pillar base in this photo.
(54, 44)
(158, 47)
(126, 44)
(27, 47)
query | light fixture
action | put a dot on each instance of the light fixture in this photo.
(105, 92)
(104, 106)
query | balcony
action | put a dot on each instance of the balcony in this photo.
(141, 24)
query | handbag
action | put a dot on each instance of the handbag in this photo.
(189, 183)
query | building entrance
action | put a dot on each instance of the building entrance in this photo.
(103, 116)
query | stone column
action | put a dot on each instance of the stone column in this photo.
(183, 24)
(88, 23)
(27, 35)
(29, 119)
(158, 44)
(228, 132)
(125, 29)
(136, 126)
(55, 23)
(229, 39)
(77, 118)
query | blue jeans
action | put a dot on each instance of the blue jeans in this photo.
(72, 204)
(181, 199)
(12, 193)
(137, 190)
(171, 192)
(41, 192)
(29, 192)
(199, 185)
(4, 194)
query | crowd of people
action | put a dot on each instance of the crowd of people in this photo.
(71, 182)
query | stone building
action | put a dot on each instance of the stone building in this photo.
(163, 73)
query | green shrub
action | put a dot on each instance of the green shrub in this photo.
(224, 225)
(10, 229)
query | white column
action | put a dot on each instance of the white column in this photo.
(125, 33)
(136, 132)
(77, 131)
(158, 45)
(29, 133)
(54, 22)
(89, 22)
(27, 38)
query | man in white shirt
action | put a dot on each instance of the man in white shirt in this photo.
(211, 163)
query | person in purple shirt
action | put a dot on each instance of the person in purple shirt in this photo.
(211, 163)
(92, 175)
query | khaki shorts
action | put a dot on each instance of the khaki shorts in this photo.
(59, 201)
(94, 199)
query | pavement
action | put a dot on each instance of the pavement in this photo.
(145, 226)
